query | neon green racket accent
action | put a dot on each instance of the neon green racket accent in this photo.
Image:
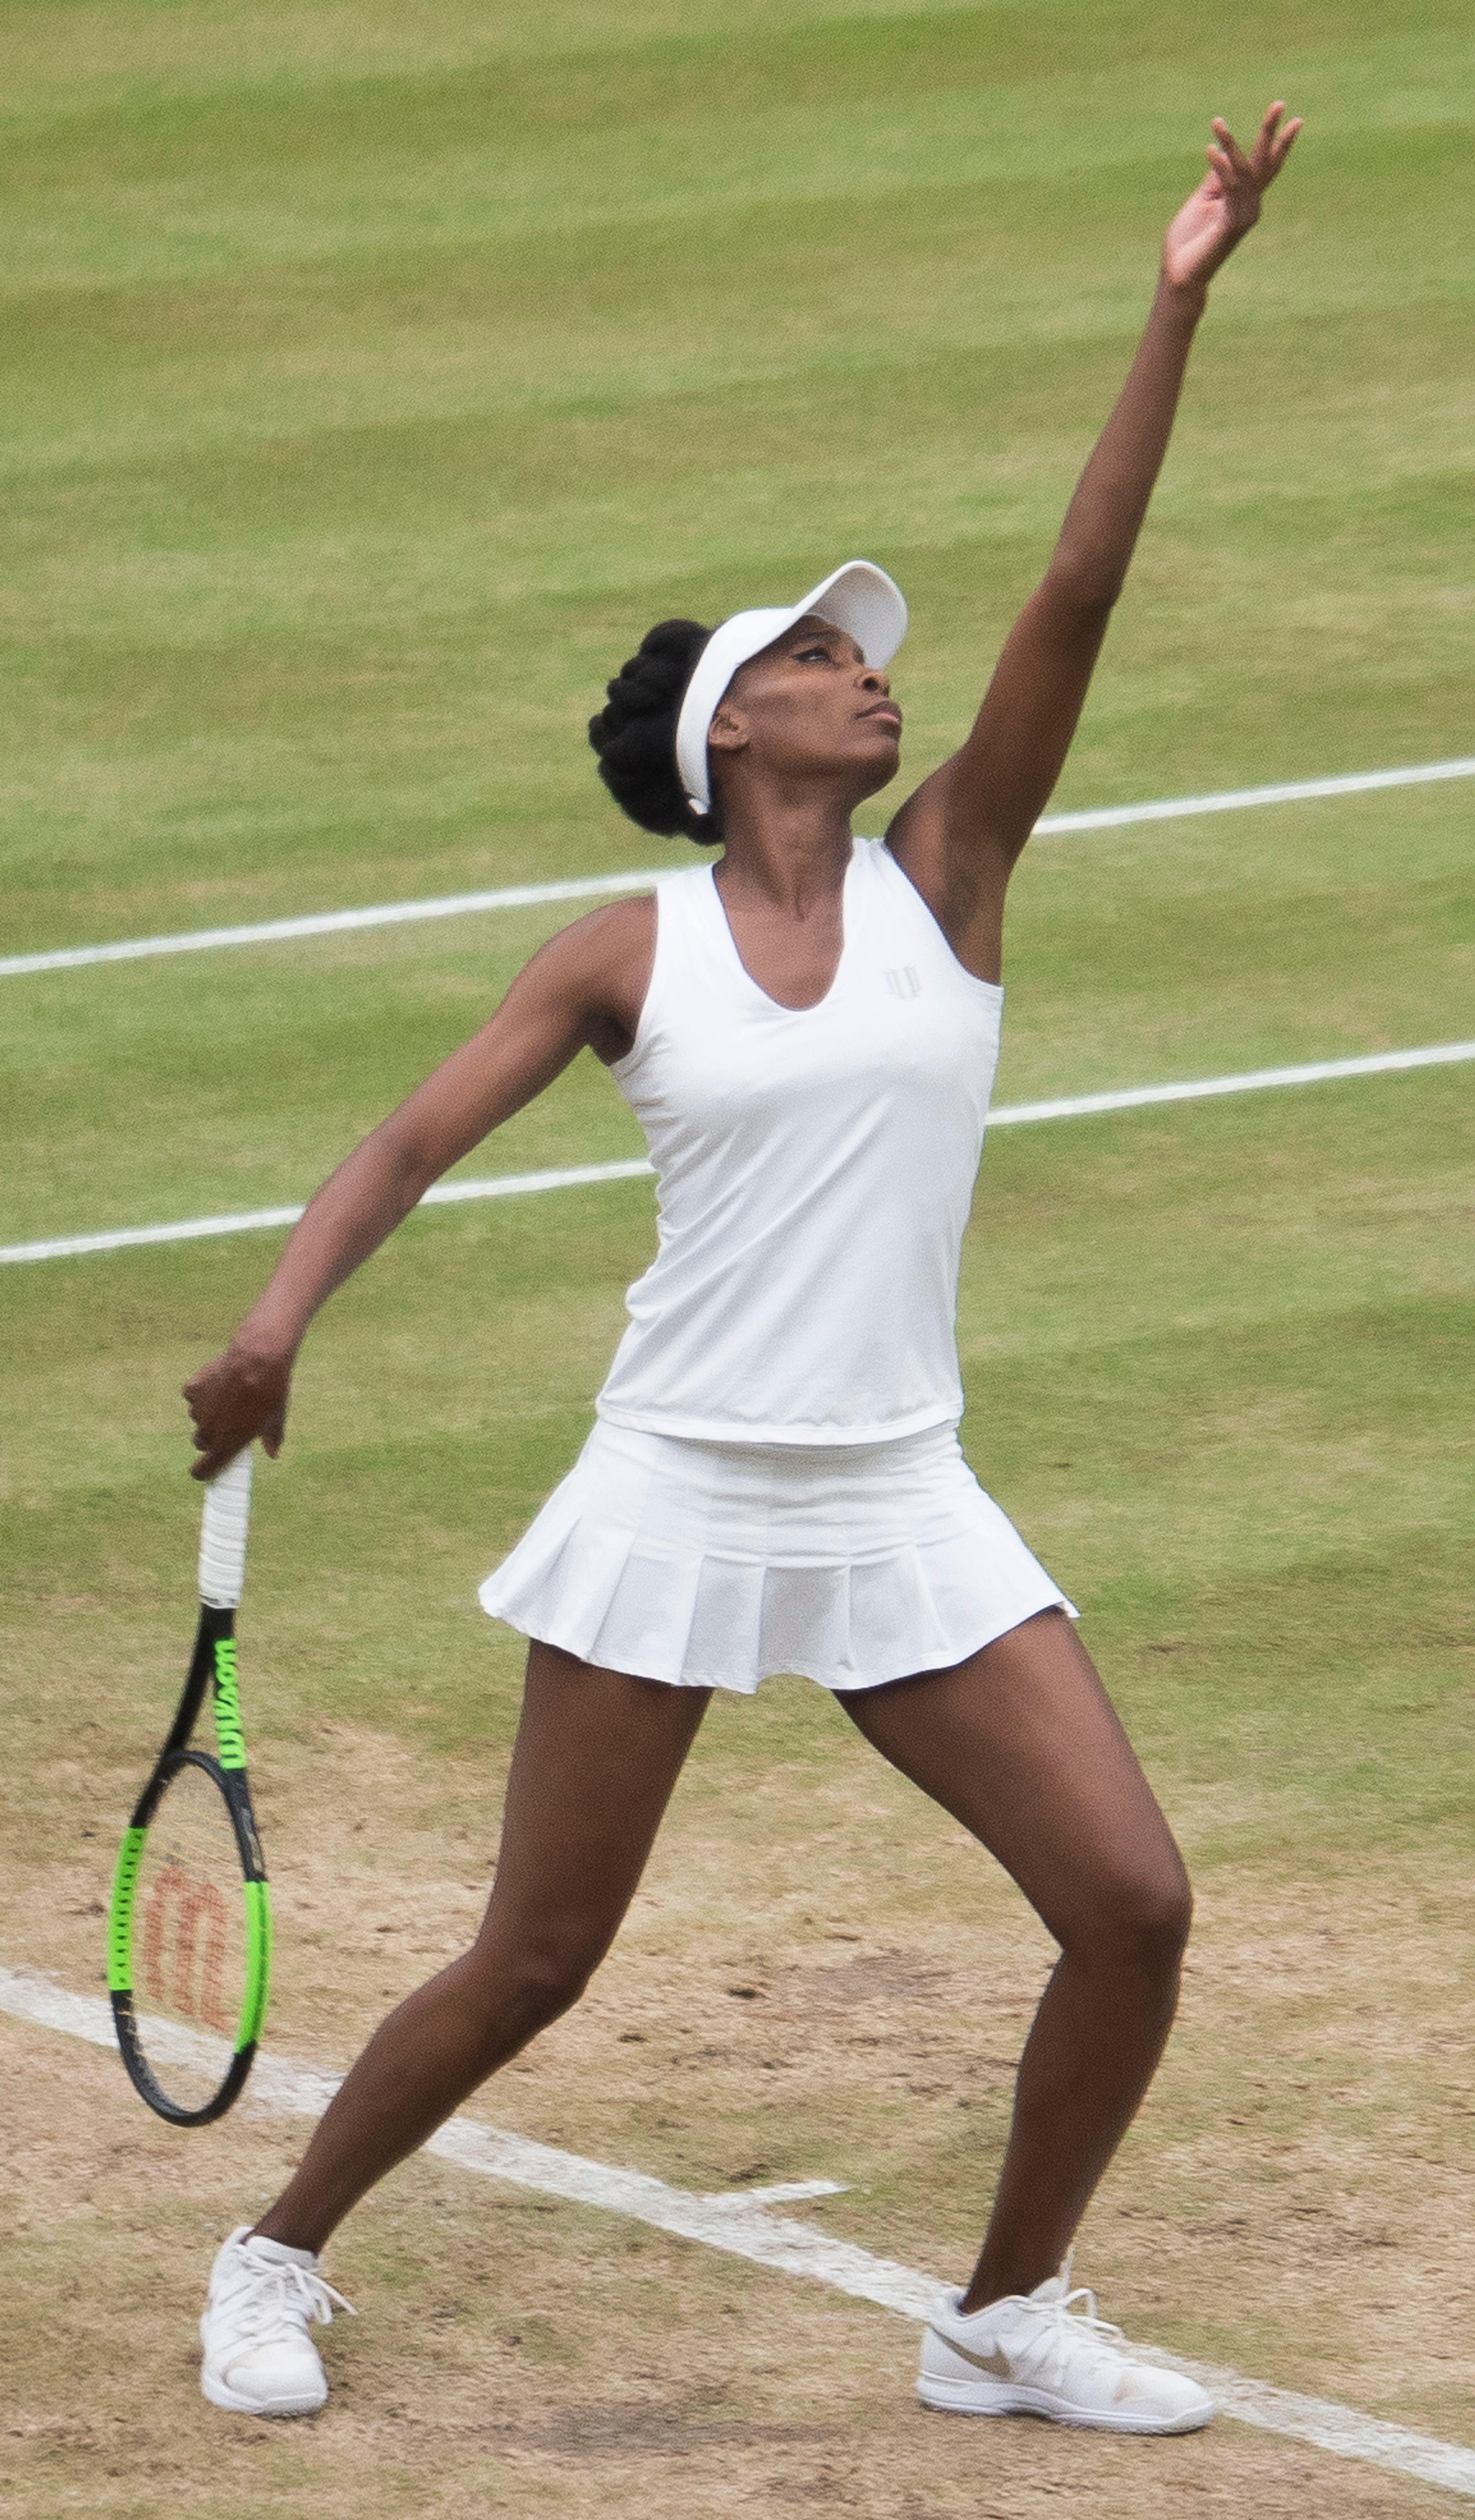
(258, 1962)
(228, 1733)
(121, 1915)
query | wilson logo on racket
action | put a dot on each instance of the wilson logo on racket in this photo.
(184, 1940)
(227, 1733)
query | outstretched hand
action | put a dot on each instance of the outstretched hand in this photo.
(235, 1399)
(1227, 203)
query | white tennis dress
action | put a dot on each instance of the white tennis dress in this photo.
(775, 1481)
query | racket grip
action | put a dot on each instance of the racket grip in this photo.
(222, 1534)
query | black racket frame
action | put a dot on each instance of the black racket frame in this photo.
(216, 1627)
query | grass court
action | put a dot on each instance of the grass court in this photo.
(375, 376)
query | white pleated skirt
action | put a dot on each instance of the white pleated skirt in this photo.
(714, 1565)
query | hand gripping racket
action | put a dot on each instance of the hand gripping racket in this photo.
(189, 1931)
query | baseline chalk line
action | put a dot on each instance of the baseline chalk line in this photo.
(741, 2225)
(258, 1219)
(521, 896)
(1076, 1107)
(329, 923)
(1234, 800)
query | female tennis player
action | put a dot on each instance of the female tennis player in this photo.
(808, 1033)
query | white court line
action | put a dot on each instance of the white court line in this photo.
(1255, 1080)
(257, 1219)
(331, 923)
(740, 2225)
(519, 896)
(1078, 1107)
(1233, 800)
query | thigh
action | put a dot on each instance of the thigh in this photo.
(1022, 1744)
(597, 1755)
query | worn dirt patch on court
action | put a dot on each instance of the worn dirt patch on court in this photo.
(510, 2354)
(821, 1978)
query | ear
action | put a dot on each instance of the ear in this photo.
(728, 732)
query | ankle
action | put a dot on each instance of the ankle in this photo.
(1005, 2282)
(282, 2229)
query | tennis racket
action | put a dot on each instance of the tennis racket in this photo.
(189, 1931)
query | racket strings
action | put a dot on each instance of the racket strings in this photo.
(189, 1936)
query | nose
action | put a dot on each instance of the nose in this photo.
(873, 680)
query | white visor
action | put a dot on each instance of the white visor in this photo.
(858, 597)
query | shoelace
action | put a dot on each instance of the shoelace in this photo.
(263, 2299)
(1065, 2331)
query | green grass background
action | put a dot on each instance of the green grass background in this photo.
(374, 379)
(374, 375)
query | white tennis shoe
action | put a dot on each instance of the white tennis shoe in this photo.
(1045, 2352)
(258, 2356)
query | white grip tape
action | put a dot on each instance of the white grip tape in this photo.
(222, 1534)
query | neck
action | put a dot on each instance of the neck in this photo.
(791, 852)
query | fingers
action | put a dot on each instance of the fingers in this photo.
(216, 1448)
(232, 1401)
(1226, 205)
(213, 1450)
(1238, 181)
(1229, 154)
(1232, 181)
(1273, 146)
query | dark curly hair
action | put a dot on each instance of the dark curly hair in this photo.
(635, 732)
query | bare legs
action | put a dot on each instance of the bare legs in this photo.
(597, 1756)
(1021, 1744)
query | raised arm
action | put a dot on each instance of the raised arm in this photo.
(960, 834)
(584, 989)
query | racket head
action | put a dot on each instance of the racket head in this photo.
(190, 1939)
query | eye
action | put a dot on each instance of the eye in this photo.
(815, 647)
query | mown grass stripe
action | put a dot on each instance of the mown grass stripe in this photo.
(739, 2226)
(1076, 1107)
(523, 896)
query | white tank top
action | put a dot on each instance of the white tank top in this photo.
(815, 1169)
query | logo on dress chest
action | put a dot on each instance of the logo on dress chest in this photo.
(904, 983)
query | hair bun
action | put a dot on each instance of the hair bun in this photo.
(635, 732)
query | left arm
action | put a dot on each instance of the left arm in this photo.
(960, 835)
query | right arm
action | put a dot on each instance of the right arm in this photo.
(583, 990)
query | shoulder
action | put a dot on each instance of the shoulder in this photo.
(593, 974)
(603, 940)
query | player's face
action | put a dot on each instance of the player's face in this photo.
(810, 703)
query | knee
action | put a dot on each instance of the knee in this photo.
(527, 1983)
(1143, 1921)
(550, 1978)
